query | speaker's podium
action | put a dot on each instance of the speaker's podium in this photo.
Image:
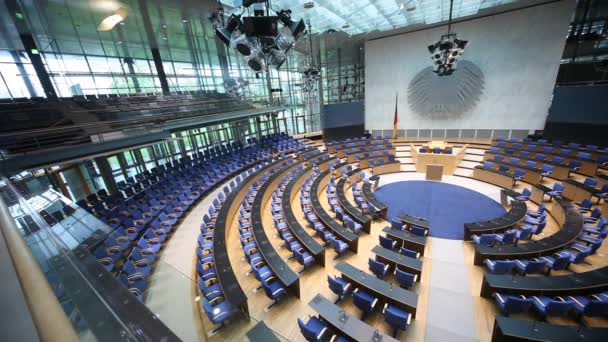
(434, 172)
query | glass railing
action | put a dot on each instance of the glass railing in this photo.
(100, 305)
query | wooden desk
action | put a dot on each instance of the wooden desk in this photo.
(398, 260)
(434, 172)
(449, 161)
(493, 177)
(282, 271)
(384, 291)
(390, 167)
(515, 330)
(345, 323)
(576, 191)
(407, 239)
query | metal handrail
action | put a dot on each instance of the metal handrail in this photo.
(47, 314)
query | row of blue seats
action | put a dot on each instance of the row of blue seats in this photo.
(299, 252)
(334, 203)
(587, 243)
(595, 305)
(555, 143)
(138, 265)
(160, 215)
(563, 153)
(373, 150)
(273, 288)
(414, 229)
(436, 150)
(321, 230)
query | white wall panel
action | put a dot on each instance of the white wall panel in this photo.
(518, 52)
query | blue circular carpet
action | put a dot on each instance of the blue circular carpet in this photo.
(448, 206)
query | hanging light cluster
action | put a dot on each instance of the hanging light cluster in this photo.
(446, 53)
(263, 39)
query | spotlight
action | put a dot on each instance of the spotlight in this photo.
(256, 61)
(108, 23)
(243, 44)
(225, 33)
(461, 43)
(432, 48)
(276, 58)
(296, 28)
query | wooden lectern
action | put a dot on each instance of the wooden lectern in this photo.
(434, 172)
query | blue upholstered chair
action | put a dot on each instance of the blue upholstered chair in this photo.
(274, 290)
(217, 310)
(304, 258)
(500, 266)
(602, 194)
(585, 206)
(525, 195)
(524, 233)
(531, 266)
(338, 245)
(518, 175)
(410, 253)
(547, 306)
(507, 238)
(314, 330)
(595, 215)
(546, 171)
(378, 268)
(364, 301)
(558, 188)
(510, 304)
(557, 262)
(420, 231)
(397, 318)
(591, 306)
(339, 286)
(485, 239)
(396, 224)
(405, 279)
(387, 242)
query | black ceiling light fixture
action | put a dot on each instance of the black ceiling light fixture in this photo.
(446, 53)
(263, 39)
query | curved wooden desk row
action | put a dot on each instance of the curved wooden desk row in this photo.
(351, 210)
(493, 176)
(539, 147)
(532, 175)
(564, 285)
(384, 291)
(345, 323)
(588, 167)
(233, 292)
(351, 157)
(560, 171)
(511, 329)
(336, 228)
(333, 147)
(407, 239)
(282, 271)
(315, 249)
(398, 260)
(368, 194)
(516, 213)
(567, 216)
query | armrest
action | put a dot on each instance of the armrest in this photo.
(384, 308)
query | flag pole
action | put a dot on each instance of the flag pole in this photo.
(396, 119)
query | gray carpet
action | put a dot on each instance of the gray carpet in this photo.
(450, 314)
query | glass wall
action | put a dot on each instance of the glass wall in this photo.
(80, 60)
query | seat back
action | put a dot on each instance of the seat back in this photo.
(386, 242)
(517, 305)
(396, 224)
(558, 308)
(307, 331)
(590, 181)
(335, 286)
(376, 267)
(405, 279)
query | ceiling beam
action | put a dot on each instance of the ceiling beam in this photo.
(388, 20)
(337, 13)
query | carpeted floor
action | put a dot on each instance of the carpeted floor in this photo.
(447, 206)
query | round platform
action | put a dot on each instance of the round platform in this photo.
(447, 206)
